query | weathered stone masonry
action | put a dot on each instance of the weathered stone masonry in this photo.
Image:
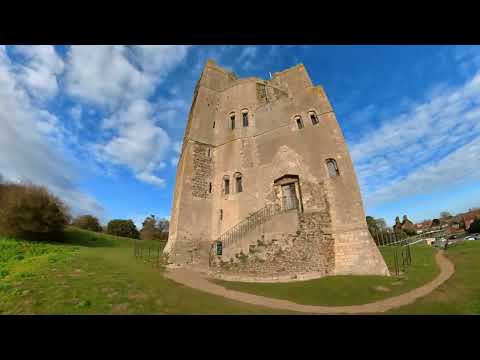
(202, 171)
(277, 157)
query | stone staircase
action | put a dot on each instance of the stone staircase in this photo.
(263, 227)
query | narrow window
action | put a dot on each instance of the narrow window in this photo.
(208, 152)
(210, 188)
(232, 122)
(214, 124)
(332, 168)
(299, 121)
(314, 118)
(226, 185)
(221, 214)
(238, 182)
(245, 118)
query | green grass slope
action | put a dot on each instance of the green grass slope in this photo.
(458, 295)
(91, 273)
(349, 290)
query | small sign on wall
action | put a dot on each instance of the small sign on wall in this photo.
(219, 248)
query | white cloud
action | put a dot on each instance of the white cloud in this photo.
(76, 112)
(31, 143)
(39, 72)
(461, 166)
(110, 75)
(429, 146)
(138, 142)
(247, 57)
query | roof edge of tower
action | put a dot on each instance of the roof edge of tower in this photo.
(211, 63)
(299, 65)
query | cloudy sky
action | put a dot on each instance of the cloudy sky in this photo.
(101, 126)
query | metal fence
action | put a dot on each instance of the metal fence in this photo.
(401, 245)
(148, 252)
(402, 256)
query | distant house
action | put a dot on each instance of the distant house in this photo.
(405, 225)
(423, 226)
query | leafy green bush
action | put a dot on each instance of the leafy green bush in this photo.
(27, 210)
(87, 222)
(124, 228)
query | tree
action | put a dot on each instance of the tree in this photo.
(149, 229)
(121, 227)
(163, 226)
(474, 227)
(28, 210)
(445, 215)
(381, 224)
(87, 222)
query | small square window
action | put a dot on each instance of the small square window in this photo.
(299, 122)
(227, 186)
(239, 184)
(332, 168)
(245, 119)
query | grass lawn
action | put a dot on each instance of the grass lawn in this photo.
(96, 274)
(458, 295)
(349, 290)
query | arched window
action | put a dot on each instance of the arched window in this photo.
(245, 117)
(313, 117)
(226, 185)
(299, 122)
(332, 167)
(232, 121)
(238, 182)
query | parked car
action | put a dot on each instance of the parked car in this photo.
(471, 237)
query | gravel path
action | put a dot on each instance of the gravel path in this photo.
(200, 282)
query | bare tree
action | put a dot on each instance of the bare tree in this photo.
(445, 215)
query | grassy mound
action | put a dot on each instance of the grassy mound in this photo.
(92, 273)
(458, 295)
(349, 290)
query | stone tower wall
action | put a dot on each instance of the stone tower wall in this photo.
(271, 147)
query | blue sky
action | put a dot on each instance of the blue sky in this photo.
(101, 126)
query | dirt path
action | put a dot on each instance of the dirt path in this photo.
(198, 281)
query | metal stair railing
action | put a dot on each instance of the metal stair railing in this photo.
(251, 222)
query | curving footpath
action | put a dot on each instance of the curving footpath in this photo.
(198, 281)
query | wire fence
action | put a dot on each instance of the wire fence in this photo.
(149, 252)
(400, 245)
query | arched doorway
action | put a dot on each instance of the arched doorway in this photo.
(289, 195)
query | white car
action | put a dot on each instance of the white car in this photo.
(471, 237)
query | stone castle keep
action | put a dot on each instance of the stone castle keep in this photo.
(265, 186)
